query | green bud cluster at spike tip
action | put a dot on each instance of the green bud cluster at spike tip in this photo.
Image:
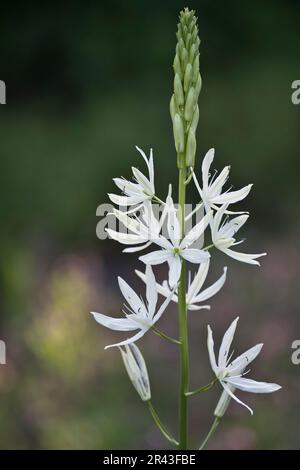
(187, 86)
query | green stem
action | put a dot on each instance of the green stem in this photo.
(159, 424)
(205, 388)
(163, 335)
(183, 332)
(210, 433)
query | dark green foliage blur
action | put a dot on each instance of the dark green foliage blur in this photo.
(86, 82)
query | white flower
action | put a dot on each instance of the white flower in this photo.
(194, 294)
(211, 191)
(175, 249)
(137, 370)
(230, 373)
(144, 229)
(223, 236)
(138, 192)
(141, 316)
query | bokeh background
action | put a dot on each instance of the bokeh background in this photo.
(86, 82)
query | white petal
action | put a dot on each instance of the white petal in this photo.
(196, 182)
(207, 161)
(243, 257)
(149, 164)
(211, 290)
(134, 249)
(252, 386)
(126, 200)
(151, 169)
(193, 255)
(231, 227)
(173, 225)
(143, 181)
(151, 291)
(233, 196)
(239, 364)
(216, 221)
(227, 389)
(216, 187)
(163, 306)
(156, 257)
(198, 280)
(131, 189)
(226, 343)
(210, 347)
(132, 224)
(118, 324)
(133, 339)
(198, 307)
(196, 231)
(131, 297)
(174, 270)
(125, 238)
(163, 243)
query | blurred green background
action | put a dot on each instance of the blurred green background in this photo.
(85, 83)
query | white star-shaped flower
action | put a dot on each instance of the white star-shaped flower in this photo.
(230, 373)
(136, 193)
(211, 191)
(142, 316)
(174, 249)
(194, 294)
(223, 236)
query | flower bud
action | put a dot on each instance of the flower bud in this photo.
(198, 86)
(191, 149)
(178, 133)
(177, 66)
(181, 45)
(195, 120)
(195, 68)
(223, 403)
(188, 40)
(187, 77)
(173, 109)
(137, 371)
(189, 105)
(178, 90)
(184, 58)
(192, 53)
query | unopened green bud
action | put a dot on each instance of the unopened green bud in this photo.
(184, 58)
(178, 90)
(181, 45)
(198, 86)
(177, 66)
(173, 107)
(195, 119)
(188, 41)
(178, 133)
(192, 53)
(194, 34)
(191, 149)
(187, 77)
(195, 68)
(189, 105)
